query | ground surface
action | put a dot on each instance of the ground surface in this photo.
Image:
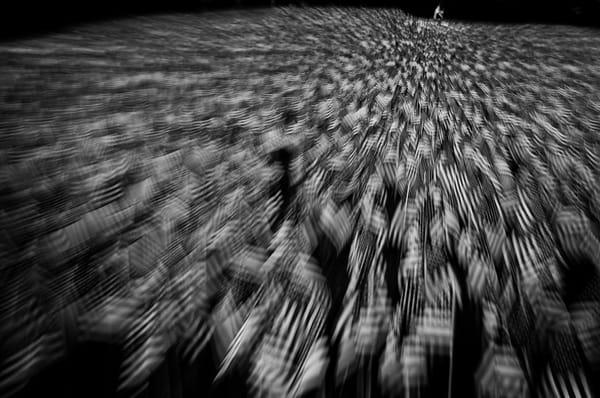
(440, 207)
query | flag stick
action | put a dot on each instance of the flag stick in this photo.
(451, 351)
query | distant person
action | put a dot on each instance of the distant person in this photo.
(438, 14)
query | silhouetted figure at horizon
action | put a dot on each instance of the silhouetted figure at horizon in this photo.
(438, 14)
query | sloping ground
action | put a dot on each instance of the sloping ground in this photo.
(344, 200)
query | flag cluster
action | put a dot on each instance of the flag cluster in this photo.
(322, 199)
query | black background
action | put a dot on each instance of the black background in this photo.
(26, 18)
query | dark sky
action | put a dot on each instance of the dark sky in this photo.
(25, 17)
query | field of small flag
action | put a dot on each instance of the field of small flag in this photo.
(301, 202)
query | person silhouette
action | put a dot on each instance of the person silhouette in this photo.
(438, 14)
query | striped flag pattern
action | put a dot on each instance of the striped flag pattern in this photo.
(433, 189)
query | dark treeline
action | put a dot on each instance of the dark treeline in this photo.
(33, 18)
